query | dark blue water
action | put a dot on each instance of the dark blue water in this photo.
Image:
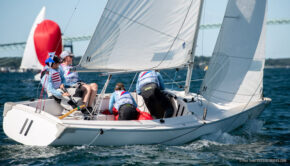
(257, 142)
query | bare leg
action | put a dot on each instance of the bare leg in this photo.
(87, 91)
(94, 89)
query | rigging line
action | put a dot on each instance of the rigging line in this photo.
(66, 26)
(179, 86)
(144, 25)
(38, 88)
(176, 35)
(39, 103)
(174, 79)
(95, 138)
(132, 82)
(202, 33)
(196, 80)
(100, 98)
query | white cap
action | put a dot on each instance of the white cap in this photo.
(65, 54)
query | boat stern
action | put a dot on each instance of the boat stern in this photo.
(22, 124)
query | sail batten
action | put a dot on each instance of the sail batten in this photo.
(143, 34)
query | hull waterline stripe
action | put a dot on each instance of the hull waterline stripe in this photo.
(23, 126)
(28, 128)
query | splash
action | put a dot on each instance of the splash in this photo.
(224, 138)
(253, 127)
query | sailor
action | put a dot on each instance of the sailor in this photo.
(149, 86)
(88, 92)
(52, 78)
(124, 103)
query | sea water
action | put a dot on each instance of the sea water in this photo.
(263, 141)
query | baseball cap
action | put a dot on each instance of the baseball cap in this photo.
(52, 58)
(65, 54)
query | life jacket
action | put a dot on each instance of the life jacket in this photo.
(142, 115)
(147, 77)
(70, 76)
(55, 78)
(122, 97)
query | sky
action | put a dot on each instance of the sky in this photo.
(80, 18)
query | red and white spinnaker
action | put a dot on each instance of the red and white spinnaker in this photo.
(44, 37)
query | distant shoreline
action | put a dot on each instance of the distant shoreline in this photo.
(277, 67)
(13, 63)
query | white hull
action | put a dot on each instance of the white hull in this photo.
(23, 125)
(37, 77)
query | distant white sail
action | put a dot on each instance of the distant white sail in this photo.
(30, 60)
(136, 35)
(236, 68)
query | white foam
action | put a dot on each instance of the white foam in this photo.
(224, 138)
(253, 126)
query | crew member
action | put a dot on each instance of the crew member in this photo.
(72, 80)
(52, 78)
(149, 86)
(124, 103)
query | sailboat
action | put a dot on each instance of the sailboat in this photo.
(44, 37)
(142, 35)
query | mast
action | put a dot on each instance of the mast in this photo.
(191, 59)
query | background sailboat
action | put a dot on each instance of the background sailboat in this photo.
(29, 59)
(44, 37)
(140, 35)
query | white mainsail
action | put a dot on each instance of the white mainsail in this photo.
(235, 72)
(143, 34)
(30, 60)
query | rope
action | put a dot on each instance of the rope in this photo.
(39, 103)
(38, 88)
(196, 80)
(66, 26)
(98, 104)
(202, 33)
(179, 86)
(97, 136)
(132, 82)
(174, 79)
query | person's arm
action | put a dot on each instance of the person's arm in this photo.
(61, 73)
(112, 102)
(50, 88)
(134, 102)
(161, 82)
(137, 87)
